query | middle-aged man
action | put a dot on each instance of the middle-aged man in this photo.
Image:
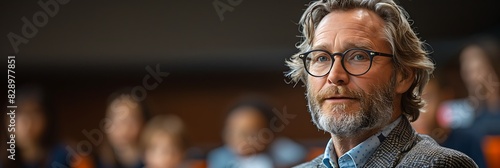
(365, 69)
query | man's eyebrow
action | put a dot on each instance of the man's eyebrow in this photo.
(360, 45)
(319, 47)
(345, 46)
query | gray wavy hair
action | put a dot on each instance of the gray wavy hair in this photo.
(409, 53)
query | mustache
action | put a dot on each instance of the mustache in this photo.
(343, 91)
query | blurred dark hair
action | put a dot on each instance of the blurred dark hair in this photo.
(128, 91)
(258, 103)
(38, 94)
(43, 97)
(109, 154)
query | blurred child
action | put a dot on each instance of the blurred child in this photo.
(243, 148)
(164, 142)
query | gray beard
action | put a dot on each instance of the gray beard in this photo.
(375, 112)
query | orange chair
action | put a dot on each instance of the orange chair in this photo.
(491, 149)
(314, 152)
(84, 162)
(198, 164)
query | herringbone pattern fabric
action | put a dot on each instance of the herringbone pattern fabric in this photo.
(403, 147)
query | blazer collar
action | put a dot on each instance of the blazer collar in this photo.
(397, 143)
(388, 154)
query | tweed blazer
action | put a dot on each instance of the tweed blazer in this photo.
(403, 147)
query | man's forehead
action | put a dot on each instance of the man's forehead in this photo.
(346, 44)
(362, 15)
(358, 18)
(350, 27)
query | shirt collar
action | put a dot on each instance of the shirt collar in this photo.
(357, 156)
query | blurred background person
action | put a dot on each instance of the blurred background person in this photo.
(467, 122)
(480, 70)
(165, 143)
(125, 119)
(459, 139)
(245, 143)
(478, 62)
(38, 143)
(242, 147)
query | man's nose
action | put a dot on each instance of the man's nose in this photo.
(338, 75)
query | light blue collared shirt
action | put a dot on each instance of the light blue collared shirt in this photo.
(357, 156)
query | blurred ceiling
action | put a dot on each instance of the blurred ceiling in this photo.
(189, 35)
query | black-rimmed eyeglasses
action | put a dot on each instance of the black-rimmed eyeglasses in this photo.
(355, 61)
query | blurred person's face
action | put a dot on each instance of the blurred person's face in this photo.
(242, 131)
(427, 120)
(475, 69)
(30, 123)
(343, 104)
(125, 119)
(163, 152)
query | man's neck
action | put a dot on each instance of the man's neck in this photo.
(343, 144)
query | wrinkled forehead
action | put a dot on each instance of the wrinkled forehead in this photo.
(359, 15)
(353, 28)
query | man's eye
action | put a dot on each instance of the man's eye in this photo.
(359, 57)
(322, 59)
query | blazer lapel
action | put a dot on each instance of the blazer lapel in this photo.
(397, 143)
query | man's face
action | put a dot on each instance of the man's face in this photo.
(342, 104)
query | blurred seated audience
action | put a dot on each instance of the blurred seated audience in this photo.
(480, 70)
(478, 66)
(247, 146)
(454, 138)
(164, 141)
(125, 118)
(469, 122)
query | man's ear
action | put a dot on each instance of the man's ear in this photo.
(404, 83)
